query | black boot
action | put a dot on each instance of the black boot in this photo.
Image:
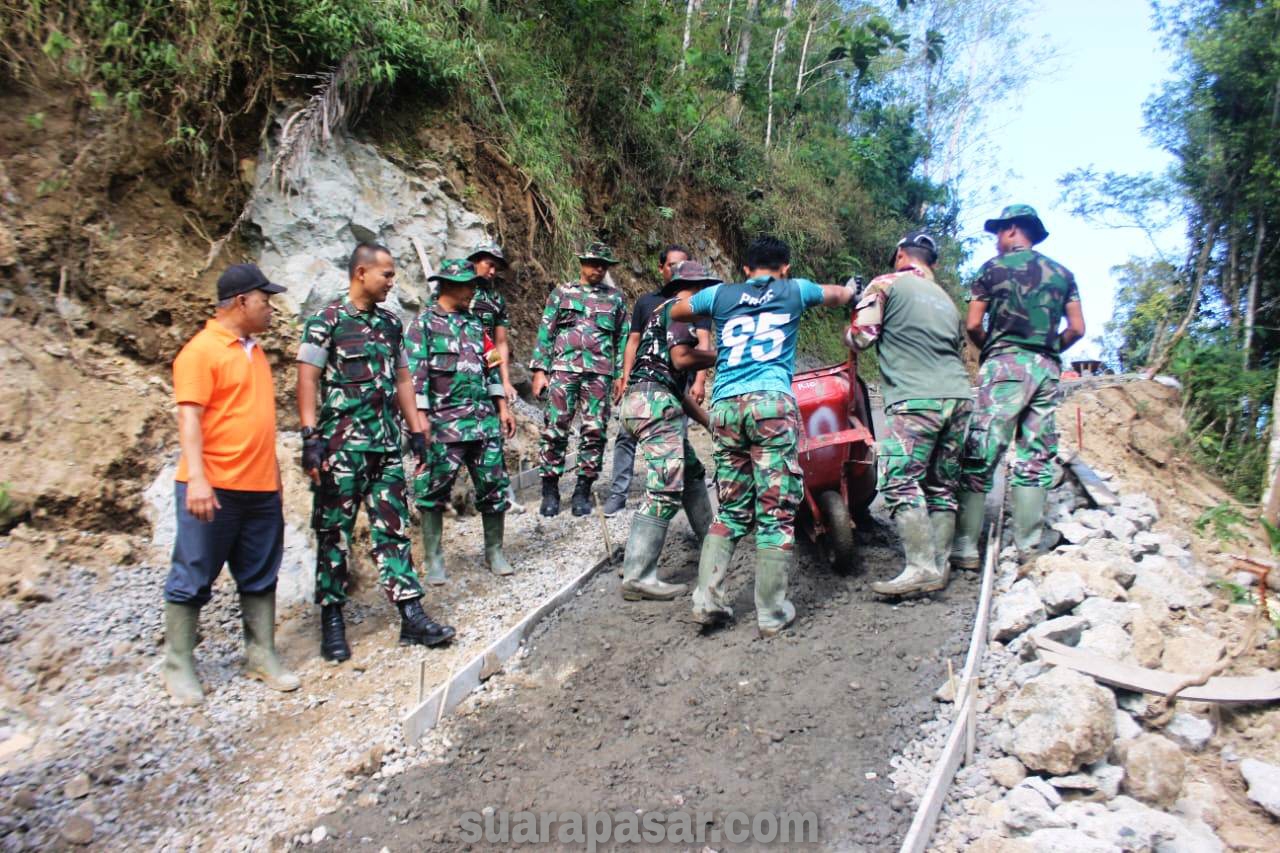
(333, 634)
(550, 498)
(582, 497)
(416, 627)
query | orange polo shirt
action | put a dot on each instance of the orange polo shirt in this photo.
(239, 422)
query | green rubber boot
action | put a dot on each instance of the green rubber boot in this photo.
(1029, 535)
(432, 529)
(640, 565)
(258, 613)
(180, 624)
(773, 611)
(710, 605)
(944, 531)
(921, 573)
(697, 507)
(494, 525)
(964, 548)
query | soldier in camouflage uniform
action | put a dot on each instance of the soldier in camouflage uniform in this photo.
(653, 412)
(352, 368)
(915, 328)
(489, 305)
(1024, 296)
(455, 379)
(579, 356)
(755, 425)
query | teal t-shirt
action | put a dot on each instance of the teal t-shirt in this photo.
(755, 328)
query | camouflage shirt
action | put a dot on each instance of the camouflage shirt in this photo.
(582, 331)
(491, 308)
(653, 357)
(452, 378)
(1026, 295)
(358, 353)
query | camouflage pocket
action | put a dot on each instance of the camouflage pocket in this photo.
(354, 364)
(1003, 368)
(976, 442)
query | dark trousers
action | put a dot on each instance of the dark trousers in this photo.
(246, 534)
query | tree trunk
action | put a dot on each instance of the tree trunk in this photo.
(804, 49)
(740, 64)
(688, 31)
(779, 45)
(1161, 361)
(1255, 271)
(1270, 494)
(728, 28)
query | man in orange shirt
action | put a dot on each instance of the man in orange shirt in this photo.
(227, 492)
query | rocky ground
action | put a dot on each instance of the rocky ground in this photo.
(1065, 763)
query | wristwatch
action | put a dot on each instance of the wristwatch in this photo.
(307, 432)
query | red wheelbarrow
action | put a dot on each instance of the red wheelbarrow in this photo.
(837, 456)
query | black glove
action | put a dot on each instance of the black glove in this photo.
(313, 453)
(418, 444)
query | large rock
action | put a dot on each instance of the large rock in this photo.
(1099, 611)
(1154, 768)
(1064, 629)
(1162, 580)
(1007, 771)
(1120, 527)
(1264, 784)
(1027, 810)
(1075, 532)
(1190, 731)
(1061, 591)
(1126, 824)
(1148, 640)
(1066, 841)
(1115, 556)
(1016, 611)
(1108, 640)
(1140, 504)
(1061, 721)
(1192, 652)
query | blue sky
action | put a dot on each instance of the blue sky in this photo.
(1087, 111)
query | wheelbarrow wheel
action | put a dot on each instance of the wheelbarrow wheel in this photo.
(839, 538)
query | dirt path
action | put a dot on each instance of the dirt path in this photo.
(623, 707)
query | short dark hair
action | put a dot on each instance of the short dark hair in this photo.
(674, 247)
(767, 253)
(365, 254)
(919, 253)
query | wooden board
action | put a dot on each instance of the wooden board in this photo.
(1255, 689)
(1097, 490)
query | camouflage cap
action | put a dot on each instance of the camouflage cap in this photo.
(493, 250)
(1021, 214)
(598, 252)
(686, 273)
(456, 270)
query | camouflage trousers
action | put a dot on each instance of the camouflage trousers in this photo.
(919, 460)
(484, 461)
(571, 394)
(348, 478)
(1017, 398)
(758, 476)
(654, 416)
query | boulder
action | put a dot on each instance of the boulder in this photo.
(1064, 629)
(1154, 768)
(1148, 640)
(1141, 504)
(1192, 652)
(1190, 731)
(1108, 640)
(1126, 727)
(1007, 771)
(1026, 810)
(1061, 721)
(1162, 580)
(1114, 556)
(1016, 611)
(1066, 841)
(1119, 527)
(1264, 784)
(1094, 519)
(1075, 532)
(1061, 591)
(1109, 777)
(1099, 611)
(1146, 542)
(1126, 824)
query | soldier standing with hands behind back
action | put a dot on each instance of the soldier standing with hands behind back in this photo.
(353, 376)
(579, 356)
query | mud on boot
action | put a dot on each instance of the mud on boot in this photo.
(921, 574)
(258, 613)
(969, 519)
(333, 634)
(640, 565)
(432, 534)
(550, 498)
(494, 526)
(581, 503)
(180, 679)
(418, 629)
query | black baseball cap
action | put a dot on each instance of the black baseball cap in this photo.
(242, 278)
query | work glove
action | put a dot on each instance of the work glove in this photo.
(418, 444)
(313, 453)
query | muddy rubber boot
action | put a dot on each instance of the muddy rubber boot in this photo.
(494, 525)
(964, 548)
(640, 565)
(417, 628)
(258, 613)
(921, 572)
(773, 611)
(710, 604)
(333, 634)
(697, 507)
(180, 679)
(944, 531)
(1029, 535)
(580, 505)
(432, 530)
(550, 498)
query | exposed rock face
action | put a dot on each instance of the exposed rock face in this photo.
(1062, 721)
(1154, 768)
(352, 193)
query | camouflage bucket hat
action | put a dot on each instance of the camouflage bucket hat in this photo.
(686, 273)
(493, 250)
(598, 252)
(1021, 214)
(456, 270)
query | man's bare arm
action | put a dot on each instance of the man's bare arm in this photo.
(685, 357)
(1075, 326)
(973, 323)
(201, 500)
